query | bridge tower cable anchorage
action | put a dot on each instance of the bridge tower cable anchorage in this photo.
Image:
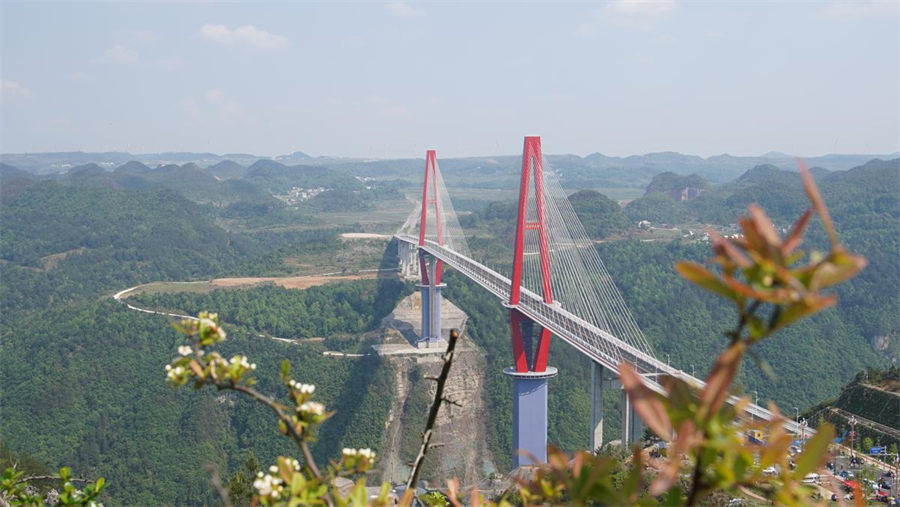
(438, 226)
(531, 263)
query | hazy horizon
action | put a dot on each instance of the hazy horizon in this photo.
(770, 154)
(390, 79)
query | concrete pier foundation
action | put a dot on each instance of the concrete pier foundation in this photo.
(530, 415)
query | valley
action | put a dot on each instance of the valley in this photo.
(320, 275)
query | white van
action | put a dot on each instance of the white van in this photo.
(811, 478)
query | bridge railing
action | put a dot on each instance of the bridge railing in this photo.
(599, 345)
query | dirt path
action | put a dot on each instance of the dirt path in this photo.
(291, 282)
(365, 235)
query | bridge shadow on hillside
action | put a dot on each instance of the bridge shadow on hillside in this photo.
(407, 331)
(353, 420)
(389, 288)
(336, 432)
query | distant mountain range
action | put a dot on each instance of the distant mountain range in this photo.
(717, 168)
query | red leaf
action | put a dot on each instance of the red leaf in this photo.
(720, 378)
(645, 402)
(796, 236)
(812, 192)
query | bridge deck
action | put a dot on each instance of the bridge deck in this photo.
(584, 336)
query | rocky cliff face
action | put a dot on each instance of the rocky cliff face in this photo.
(459, 444)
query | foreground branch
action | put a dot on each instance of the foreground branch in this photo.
(276, 407)
(433, 412)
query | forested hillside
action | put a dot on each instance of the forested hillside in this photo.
(61, 243)
(83, 376)
(83, 386)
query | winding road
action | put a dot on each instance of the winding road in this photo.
(122, 295)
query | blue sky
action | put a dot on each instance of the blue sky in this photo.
(392, 79)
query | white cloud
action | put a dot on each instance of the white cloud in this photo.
(641, 8)
(214, 95)
(11, 90)
(845, 9)
(247, 35)
(631, 14)
(120, 54)
(402, 8)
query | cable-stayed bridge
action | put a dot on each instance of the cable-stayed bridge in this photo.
(558, 285)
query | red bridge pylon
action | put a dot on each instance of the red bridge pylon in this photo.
(430, 267)
(530, 373)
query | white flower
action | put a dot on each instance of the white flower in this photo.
(366, 453)
(306, 388)
(268, 486)
(242, 360)
(174, 372)
(185, 350)
(273, 469)
(209, 323)
(312, 407)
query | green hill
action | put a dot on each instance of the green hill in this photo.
(279, 178)
(62, 241)
(227, 169)
(13, 181)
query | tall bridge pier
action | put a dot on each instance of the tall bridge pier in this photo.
(409, 259)
(430, 289)
(602, 380)
(430, 267)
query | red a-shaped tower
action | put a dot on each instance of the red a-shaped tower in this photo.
(430, 267)
(532, 164)
(530, 373)
(431, 198)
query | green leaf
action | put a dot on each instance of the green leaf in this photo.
(814, 453)
(285, 369)
(297, 484)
